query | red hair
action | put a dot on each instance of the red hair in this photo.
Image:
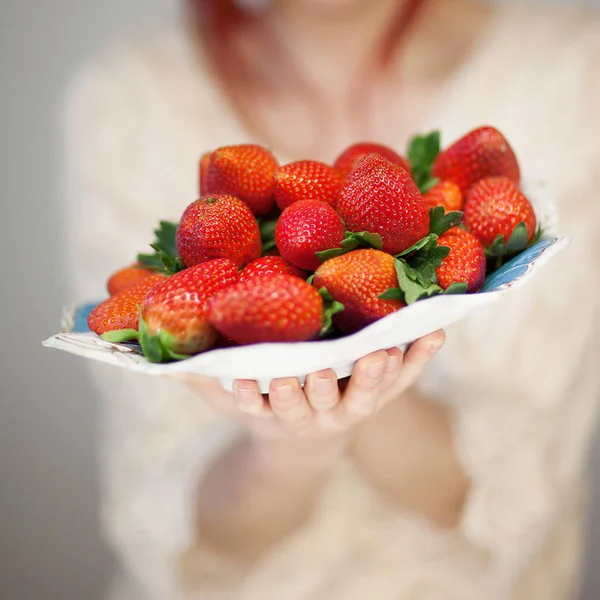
(221, 23)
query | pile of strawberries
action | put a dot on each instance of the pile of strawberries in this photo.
(307, 250)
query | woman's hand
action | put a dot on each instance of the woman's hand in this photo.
(325, 408)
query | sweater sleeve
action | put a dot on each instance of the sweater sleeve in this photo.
(157, 438)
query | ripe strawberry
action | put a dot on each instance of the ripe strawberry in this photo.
(483, 152)
(218, 226)
(446, 194)
(277, 308)
(270, 265)
(121, 311)
(173, 320)
(125, 278)
(495, 206)
(305, 228)
(245, 171)
(357, 279)
(306, 179)
(466, 262)
(204, 162)
(382, 198)
(350, 157)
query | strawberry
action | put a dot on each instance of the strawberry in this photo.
(446, 194)
(218, 226)
(245, 171)
(382, 198)
(204, 162)
(172, 315)
(357, 279)
(466, 262)
(481, 153)
(306, 179)
(270, 265)
(494, 208)
(350, 157)
(305, 228)
(121, 311)
(126, 277)
(276, 308)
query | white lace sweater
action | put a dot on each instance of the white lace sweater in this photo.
(521, 379)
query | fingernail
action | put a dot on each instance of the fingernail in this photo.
(377, 369)
(284, 392)
(247, 399)
(435, 348)
(393, 364)
(323, 385)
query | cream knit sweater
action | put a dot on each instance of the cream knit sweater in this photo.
(521, 379)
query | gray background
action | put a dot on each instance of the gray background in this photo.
(49, 546)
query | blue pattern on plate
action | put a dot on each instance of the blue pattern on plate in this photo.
(517, 267)
(80, 318)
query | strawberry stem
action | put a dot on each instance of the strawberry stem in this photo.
(120, 335)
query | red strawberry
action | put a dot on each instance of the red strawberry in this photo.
(125, 278)
(357, 279)
(306, 179)
(270, 265)
(245, 171)
(277, 308)
(350, 157)
(173, 320)
(446, 194)
(218, 226)
(481, 153)
(494, 207)
(307, 227)
(466, 262)
(121, 311)
(204, 162)
(382, 198)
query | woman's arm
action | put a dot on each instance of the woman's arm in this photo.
(260, 490)
(407, 453)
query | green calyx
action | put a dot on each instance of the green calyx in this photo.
(157, 348)
(422, 152)
(165, 258)
(440, 221)
(352, 241)
(416, 270)
(331, 307)
(499, 251)
(267, 233)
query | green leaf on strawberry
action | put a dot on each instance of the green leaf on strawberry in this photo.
(165, 258)
(267, 233)
(392, 294)
(440, 221)
(331, 307)
(157, 348)
(538, 235)
(516, 243)
(410, 288)
(120, 335)
(364, 239)
(424, 258)
(424, 263)
(425, 242)
(456, 288)
(422, 152)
